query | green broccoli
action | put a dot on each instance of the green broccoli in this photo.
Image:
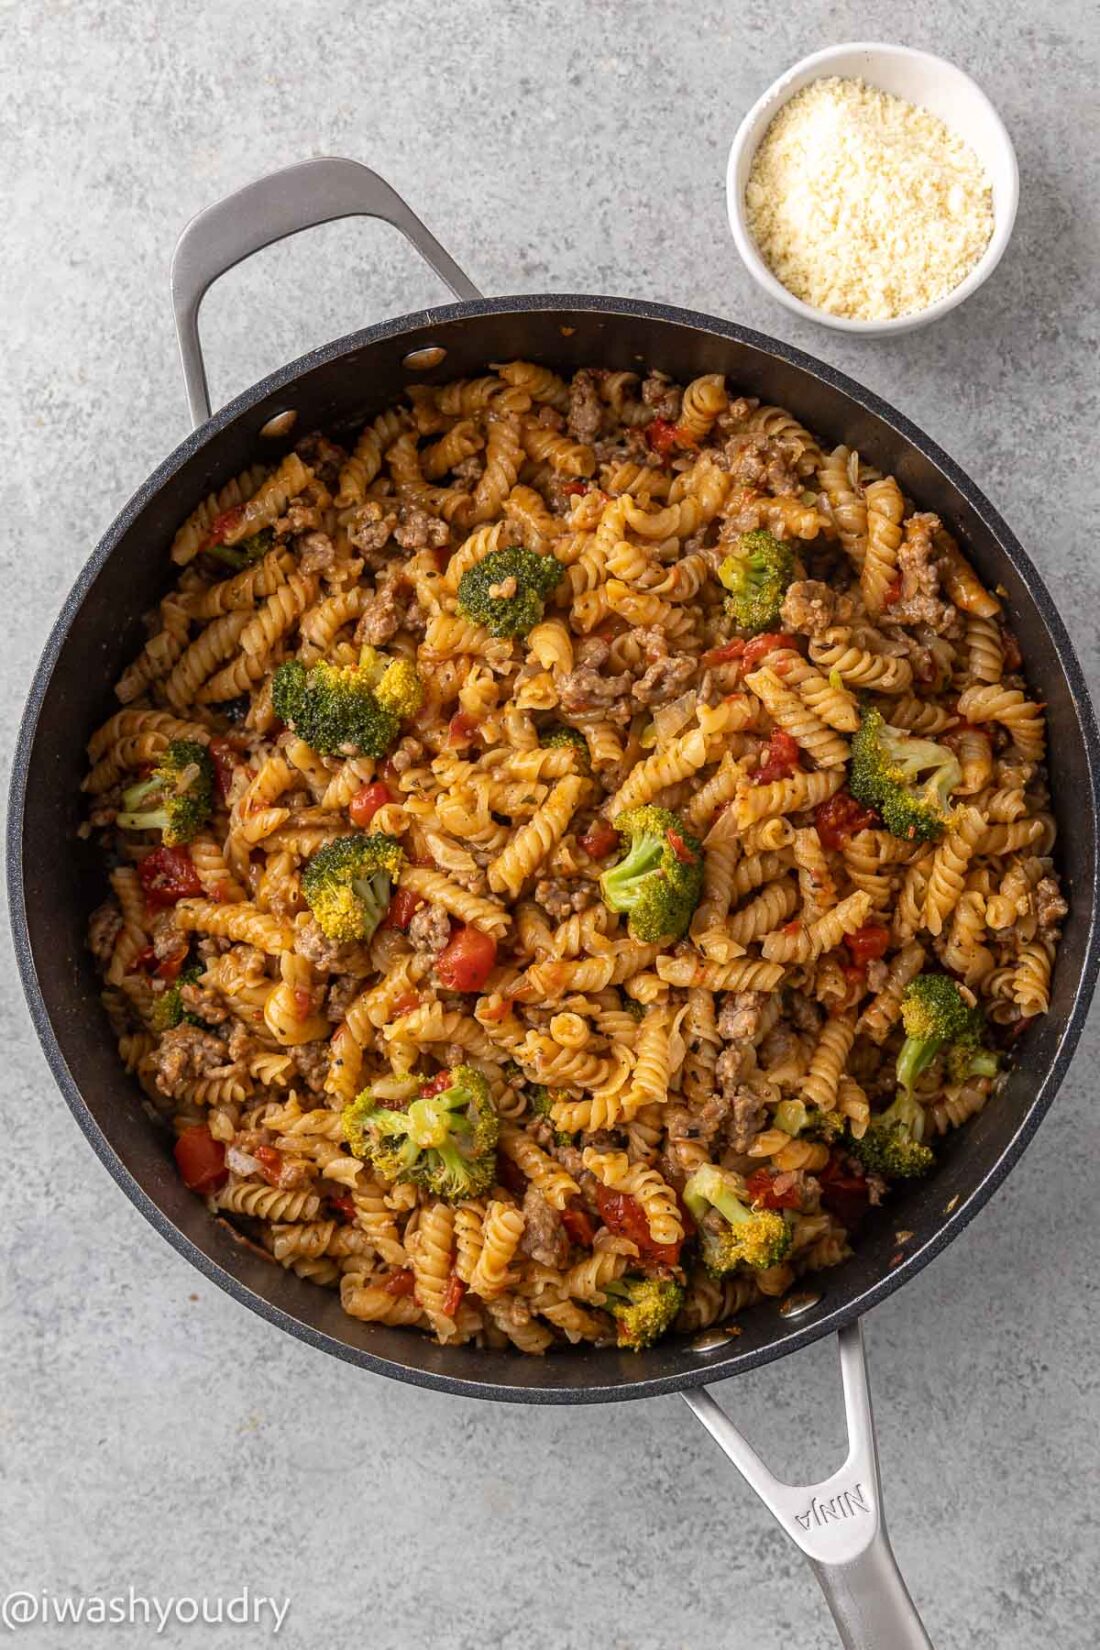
(347, 710)
(757, 576)
(659, 879)
(541, 1100)
(892, 1144)
(885, 772)
(444, 1141)
(167, 1010)
(731, 1231)
(176, 799)
(937, 1016)
(643, 1308)
(239, 556)
(507, 589)
(347, 883)
(558, 736)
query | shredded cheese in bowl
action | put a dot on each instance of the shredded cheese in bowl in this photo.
(864, 205)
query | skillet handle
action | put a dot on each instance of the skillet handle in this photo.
(838, 1524)
(282, 204)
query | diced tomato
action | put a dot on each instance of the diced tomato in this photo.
(403, 905)
(405, 1004)
(684, 854)
(868, 942)
(856, 976)
(367, 801)
(600, 839)
(467, 959)
(461, 731)
(223, 756)
(770, 642)
(436, 1084)
(662, 436)
(624, 1216)
(167, 875)
(575, 487)
(344, 1204)
(892, 593)
(1013, 657)
(723, 655)
(760, 1186)
(402, 1283)
(169, 967)
(578, 1226)
(844, 1194)
(452, 1298)
(200, 1160)
(780, 760)
(270, 1159)
(223, 524)
(841, 818)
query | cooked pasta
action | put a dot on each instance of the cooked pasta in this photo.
(610, 1059)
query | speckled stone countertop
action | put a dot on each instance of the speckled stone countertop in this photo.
(154, 1434)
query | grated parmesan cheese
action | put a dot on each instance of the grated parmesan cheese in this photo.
(864, 205)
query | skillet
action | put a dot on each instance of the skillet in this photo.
(839, 1523)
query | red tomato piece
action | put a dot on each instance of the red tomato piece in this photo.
(1013, 657)
(841, 818)
(223, 524)
(662, 436)
(452, 1298)
(684, 854)
(575, 487)
(436, 1084)
(844, 1194)
(367, 801)
(222, 756)
(868, 942)
(200, 1160)
(405, 1004)
(344, 1204)
(578, 1226)
(402, 1283)
(770, 642)
(760, 1186)
(270, 1160)
(167, 875)
(723, 655)
(402, 907)
(892, 593)
(624, 1216)
(780, 760)
(169, 967)
(600, 839)
(461, 730)
(467, 959)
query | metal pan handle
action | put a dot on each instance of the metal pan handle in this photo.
(839, 1524)
(282, 204)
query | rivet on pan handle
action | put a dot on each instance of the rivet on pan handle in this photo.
(282, 204)
(839, 1524)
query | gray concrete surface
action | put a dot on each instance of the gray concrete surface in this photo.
(153, 1433)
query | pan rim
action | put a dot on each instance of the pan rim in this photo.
(731, 1362)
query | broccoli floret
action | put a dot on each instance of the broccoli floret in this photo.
(557, 736)
(659, 879)
(892, 1144)
(757, 576)
(541, 1101)
(885, 774)
(347, 710)
(176, 799)
(168, 1010)
(732, 1232)
(239, 556)
(643, 1308)
(936, 1017)
(347, 883)
(445, 1141)
(507, 589)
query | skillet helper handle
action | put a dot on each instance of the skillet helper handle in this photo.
(282, 204)
(838, 1524)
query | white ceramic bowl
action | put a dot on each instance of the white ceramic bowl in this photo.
(920, 78)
